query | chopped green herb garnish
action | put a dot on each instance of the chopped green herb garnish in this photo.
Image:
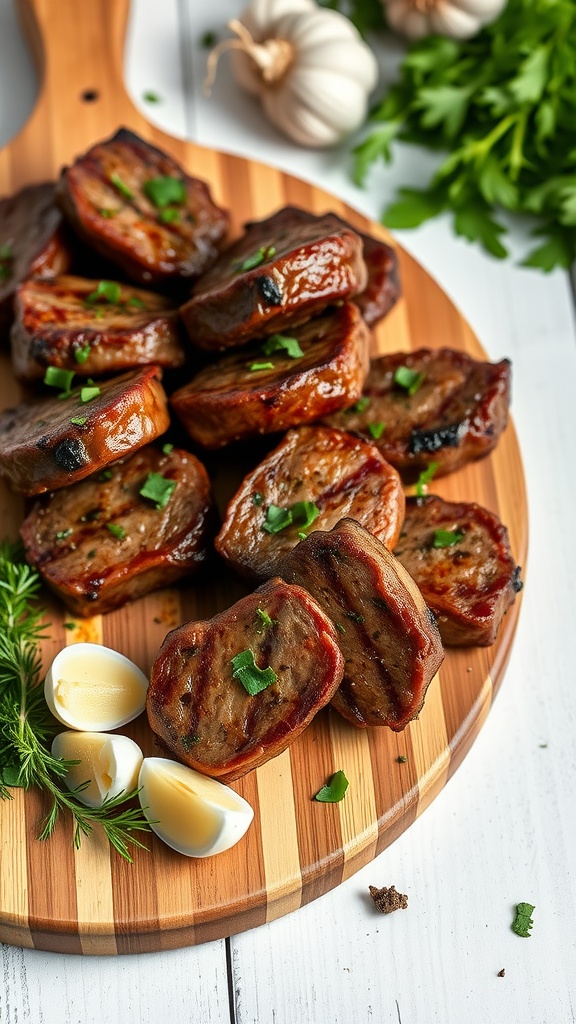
(116, 531)
(107, 214)
(446, 538)
(302, 534)
(167, 448)
(253, 679)
(63, 534)
(265, 252)
(136, 302)
(122, 188)
(208, 40)
(165, 191)
(87, 394)
(260, 366)
(334, 791)
(522, 923)
(169, 215)
(189, 740)
(78, 421)
(5, 259)
(69, 625)
(277, 519)
(402, 759)
(280, 342)
(361, 405)
(340, 627)
(105, 291)
(425, 478)
(158, 489)
(81, 354)
(106, 474)
(151, 97)
(408, 379)
(257, 498)
(355, 617)
(265, 618)
(376, 430)
(57, 378)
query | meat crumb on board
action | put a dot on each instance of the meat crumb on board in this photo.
(387, 900)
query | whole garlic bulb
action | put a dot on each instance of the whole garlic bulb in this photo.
(459, 19)
(309, 66)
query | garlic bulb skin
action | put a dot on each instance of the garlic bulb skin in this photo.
(309, 66)
(458, 19)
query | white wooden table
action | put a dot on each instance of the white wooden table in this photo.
(504, 829)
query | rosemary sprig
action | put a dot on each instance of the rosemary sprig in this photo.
(26, 725)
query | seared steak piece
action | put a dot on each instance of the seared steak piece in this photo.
(137, 206)
(101, 543)
(314, 472)
(52, 442)
(91, 327)
(259, 391)
(451, 409)
(459, 556)
(388, 637)
(383, 288)
(282, 271)
(199, 701)
(32, 242)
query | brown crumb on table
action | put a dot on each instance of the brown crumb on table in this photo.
(501, 973)
(388, 900)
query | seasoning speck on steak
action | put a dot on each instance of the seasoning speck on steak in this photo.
(256, 391)
(456, 412)
(91, 327)
(388, 637)
(101, 543)
(135, 205)
(460, 557)
(53, 442)
(339, 474)
(281, 272)
(203, 711)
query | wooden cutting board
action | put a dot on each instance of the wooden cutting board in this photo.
(91, 901)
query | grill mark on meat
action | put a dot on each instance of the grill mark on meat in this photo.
(269, 291)
(353, 481)
(435, 438)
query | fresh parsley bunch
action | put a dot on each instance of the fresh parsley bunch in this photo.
(504, 106)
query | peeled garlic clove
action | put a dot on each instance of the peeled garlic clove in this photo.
(93, 688)
(110, 763)
(195, 815)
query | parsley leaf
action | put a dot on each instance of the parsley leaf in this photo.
(522, 923)
(446, 538)
(165, 191)
(253, 679)
(280, 342)
(122, 188)
(376, 429)
(334, 790)
(105, 291)
(158, 489)
(277, 519)
(116, 531)
(425, 478)
(81, 354)
(408, 379)
(265, 252)
(61, 379)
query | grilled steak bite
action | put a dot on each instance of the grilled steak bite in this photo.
(314, 472)
(53, 442)
(459, 556)
(276, 644)
(137, 206)
(101, 542)
(269, 388)
(32, 242)
(389, 639)
(91, 327)
(438, 405)
(383, 288)
(283, 270)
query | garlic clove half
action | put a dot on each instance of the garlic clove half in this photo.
(195, 815)
(94, 688)
(109, 763)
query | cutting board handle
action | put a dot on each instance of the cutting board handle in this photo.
(78, 47)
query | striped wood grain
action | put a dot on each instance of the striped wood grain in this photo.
(91, 901)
